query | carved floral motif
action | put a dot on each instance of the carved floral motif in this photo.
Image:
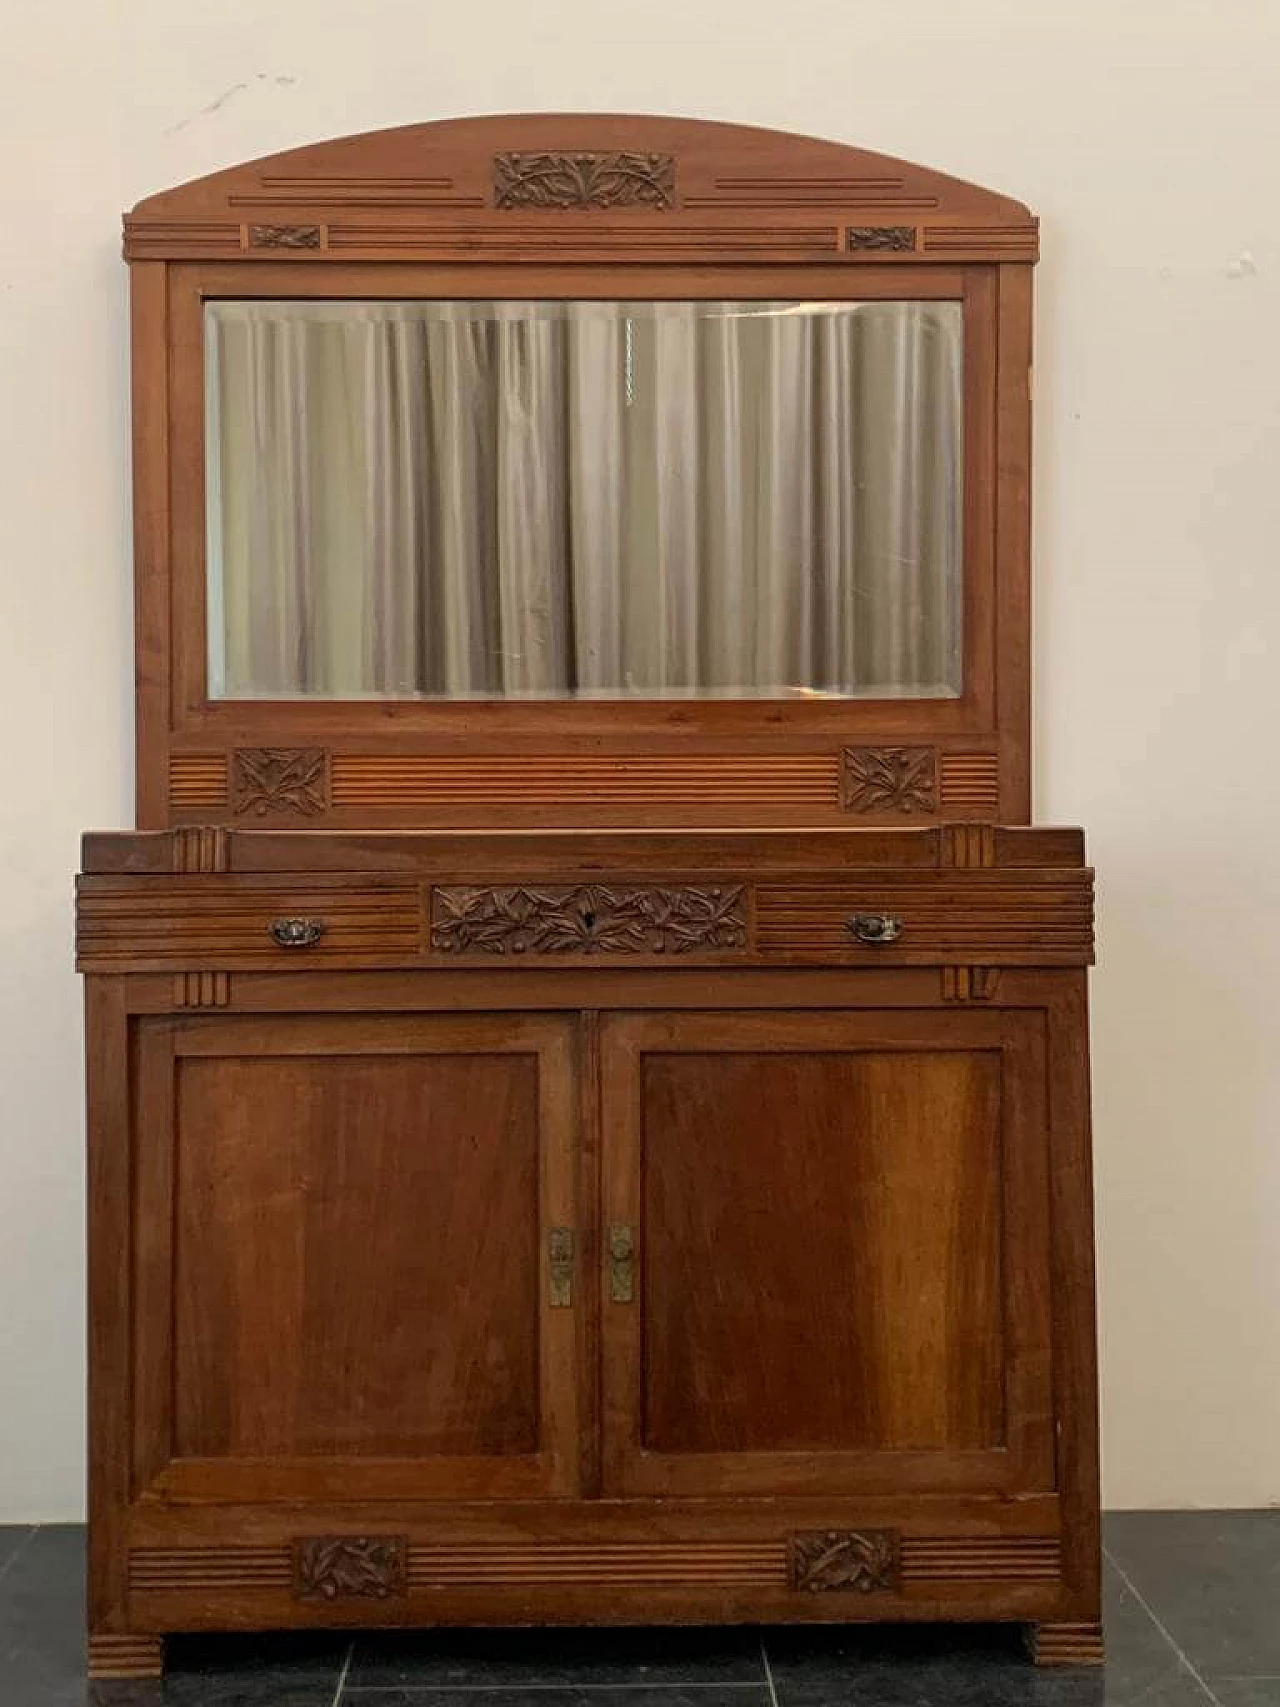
(893, 237)
(584, 180)
(278, 779)
(588, 919)
(341, 1567)
(859, 1561)
(284, 236)
(888, 779)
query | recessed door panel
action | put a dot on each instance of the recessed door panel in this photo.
(835, 1276)
(839, 1215)
(356, 1256)
(359, 1256)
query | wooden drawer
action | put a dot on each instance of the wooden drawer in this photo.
(207, 901)
(1021, 917)
(153, 924)
(230, 922)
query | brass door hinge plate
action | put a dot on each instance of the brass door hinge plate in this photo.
(622, 1255)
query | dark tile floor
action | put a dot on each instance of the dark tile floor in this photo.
(1192, 1618)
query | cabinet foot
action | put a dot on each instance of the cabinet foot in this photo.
(1065, 1644)
(112, 1656)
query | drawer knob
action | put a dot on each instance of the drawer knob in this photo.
(296, 933)
(876, 927)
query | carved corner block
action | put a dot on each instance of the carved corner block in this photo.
(350, 1567)
(848, 1561)
(584, 179)
(201, 989)
(970, 983)
(967, 847)
(200, 848)
(265, 780)
(889, 779)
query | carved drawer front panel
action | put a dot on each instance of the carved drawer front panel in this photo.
(567, 920)
(1012, 917)
(149, 924)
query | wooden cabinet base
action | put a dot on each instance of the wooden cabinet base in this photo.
(113, 1657)
(623, 1245)
(1065, 1644)
(807, 1560)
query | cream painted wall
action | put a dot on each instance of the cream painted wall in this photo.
(1148, 137)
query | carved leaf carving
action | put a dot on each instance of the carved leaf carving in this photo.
(584, 180)
(278, 779)
(891, 237)
(588, 919)
(861, 1561)
(284, 236)
(340, 1567)
(888, 779)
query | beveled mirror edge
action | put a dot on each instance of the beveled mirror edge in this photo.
(669, 501)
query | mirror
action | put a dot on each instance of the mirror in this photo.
(462, 500)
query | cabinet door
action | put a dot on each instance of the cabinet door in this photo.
(839, 1228)
(350, 1279)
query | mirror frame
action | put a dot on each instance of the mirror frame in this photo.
(573, 206)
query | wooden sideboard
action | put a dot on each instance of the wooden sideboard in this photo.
(588, 1112)
(594, 1227)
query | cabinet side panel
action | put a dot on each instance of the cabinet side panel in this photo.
(107, 1064)
(1075, 1325)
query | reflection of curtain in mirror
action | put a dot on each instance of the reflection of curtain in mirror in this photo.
(450, 498)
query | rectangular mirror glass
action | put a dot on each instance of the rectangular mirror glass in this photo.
(478, 500)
